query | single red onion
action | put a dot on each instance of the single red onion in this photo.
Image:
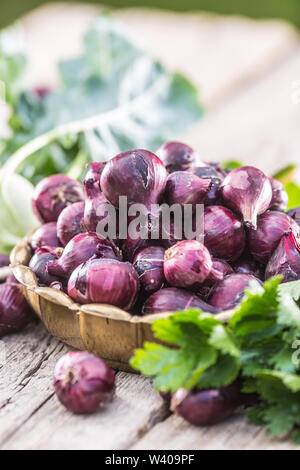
(187, 264)
(207, 407)
(46, 235)
(172, 299)
(220, 269)
(70, 222)
(39, 262)
(15, 313)
(224, 234)
(248, 265)
(94, 172)
(83, 382)
(177, 156)
(53, 194)
(4, 260)
(285, 260)
(229, 292)
(215, 177)
(106, 281)
(137, 174)
(131, 247)
(280, 197)
(248, 191)
(185, 188)
(270, 228)
(81, 248)
(295, 214)
(149, 264)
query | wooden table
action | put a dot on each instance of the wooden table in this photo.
(246, 71)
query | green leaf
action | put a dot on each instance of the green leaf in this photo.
(293, 191)
(231, 164)
(286, 174)
(292, 289)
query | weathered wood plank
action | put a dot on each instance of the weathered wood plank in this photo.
(236, 433)
(32, 417)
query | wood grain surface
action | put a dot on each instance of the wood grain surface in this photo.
(245, 70)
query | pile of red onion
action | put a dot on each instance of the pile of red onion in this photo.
(248, 235)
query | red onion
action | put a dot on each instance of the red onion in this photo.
(53, 194)
(187, 264)
(39, 262)
(137, 174)
(4, 260)
(149, 264)
(81, 248)
(15, 312)
(285, 260)
(185, 188)
(295, 214)
(94, 172)
(207, 407)
(105, 281)
(216, 177)
(280, 197)
(177, 156)
(229, 292)
(248, 191)
(70, 222)
(46, 235)
(270, 228)
(172, 299)
(248, 265)
(83, 382)
(131, 247)
(224, 234)
(220, 269)
(168, 237)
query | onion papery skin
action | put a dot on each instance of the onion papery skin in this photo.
(149, 264)
(39, 262)
(247, 191)
(248, 265)
(53, 194)
(46, 235)
(177, 156)
(280, 197)
(224, 234)
(70, 222)
(220, 269)
(104, 281)
(81, 248)
(216, 177)
(285, 260)
(271, 227)
(172, 299)
(15, 313)
(229, 292)
(137, 174)
(185, 188)
(187, 264)
(83, 382)
(295, 214)
(94, 172)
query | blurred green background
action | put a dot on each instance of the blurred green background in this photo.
(286, 9)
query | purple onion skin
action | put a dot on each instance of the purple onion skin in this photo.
(247, 191)
(216, 177)
(271, 226)
(137, 174)
(70, 222)
(187, 264)
(53, 194)
(171, 299)
(285, 260)
(220, 269)
(15, 313)
(80, 249)
(46, 235)
(177, 156)
(4, 260)
(295, 214)
(280, 197)
(229, 292)
(39, 262)
(104, 281)
(248, 265)
(94, 172)
(83, 382)
(185, 188)
(224, 234)
(149, 264)
(207, 407)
